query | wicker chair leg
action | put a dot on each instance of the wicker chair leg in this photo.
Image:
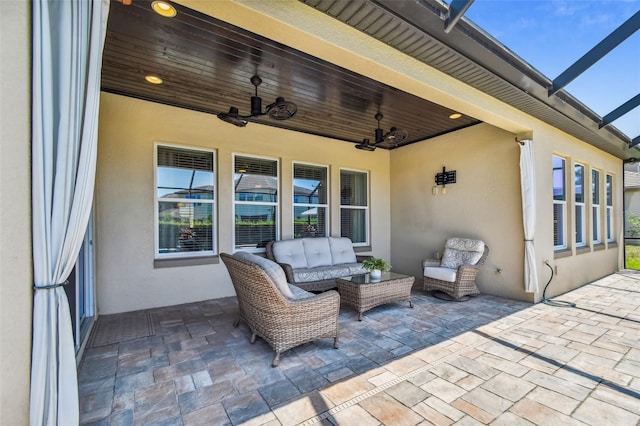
(236, 323)
(276, 360)
(253, 338)
(336, 345)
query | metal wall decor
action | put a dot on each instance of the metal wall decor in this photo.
(445, 177)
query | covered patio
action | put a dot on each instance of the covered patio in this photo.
(486, 361)
(92, 259)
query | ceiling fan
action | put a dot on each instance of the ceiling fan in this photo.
(279, 110)
(394, 135)
(366, 145)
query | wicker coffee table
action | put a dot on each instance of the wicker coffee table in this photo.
(363, 293)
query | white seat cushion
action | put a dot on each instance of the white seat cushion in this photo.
(442, 274)
(319, 273)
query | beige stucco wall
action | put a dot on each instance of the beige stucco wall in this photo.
(484, 203)
(126, 278)
(409, 222)
(15, 207)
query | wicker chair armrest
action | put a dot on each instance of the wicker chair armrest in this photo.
(362, 257)
(467, 272)
(321, 303)
(430, 262)
(469, 268)
(288, 272)
(269, 250)
(316, 298)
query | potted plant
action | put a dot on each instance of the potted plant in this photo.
(375, 266)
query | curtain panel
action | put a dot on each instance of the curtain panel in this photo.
(528, 189)
(68, 38)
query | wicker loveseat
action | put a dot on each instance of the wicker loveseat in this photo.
(314, 263)
(454, 276)
(282, 314)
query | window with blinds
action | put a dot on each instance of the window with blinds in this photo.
(579, 205)
(609, 207)
(354, 206)
(256, 202)
(559, 203)
(185, 202)
(310, 201)
(595, 206)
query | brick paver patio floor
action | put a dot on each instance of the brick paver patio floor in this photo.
(485, 361)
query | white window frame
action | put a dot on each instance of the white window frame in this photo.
(310, 206)
(580, 206)
(214, 216)
(365, 208)
(596, 195)
(562, 204)
(236, 203)
(609, 206)
(85, 303)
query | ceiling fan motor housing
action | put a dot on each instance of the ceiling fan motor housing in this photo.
(279, 110)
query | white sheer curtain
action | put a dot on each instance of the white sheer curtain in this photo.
(68, 37)
(528, 188)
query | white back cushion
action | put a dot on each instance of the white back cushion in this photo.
(272, 269)
(341, 250)
(291, 252)
(317, 251)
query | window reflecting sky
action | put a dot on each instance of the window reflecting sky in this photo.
(172, 180)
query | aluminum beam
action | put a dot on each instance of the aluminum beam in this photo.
(596, 53)
(620, 111)
(457, 8)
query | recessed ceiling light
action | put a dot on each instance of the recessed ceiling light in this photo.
(163, 8)
(455, 116)
(153, 78)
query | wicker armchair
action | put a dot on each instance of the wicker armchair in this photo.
(281, 321)
(454, 276)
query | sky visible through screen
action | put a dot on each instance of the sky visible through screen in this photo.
(553, 34)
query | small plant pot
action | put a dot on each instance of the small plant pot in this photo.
(375, 274)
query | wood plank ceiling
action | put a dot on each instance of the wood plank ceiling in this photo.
(207, 65)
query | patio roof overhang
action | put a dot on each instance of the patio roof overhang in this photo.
(476, 58)
(207, 65)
